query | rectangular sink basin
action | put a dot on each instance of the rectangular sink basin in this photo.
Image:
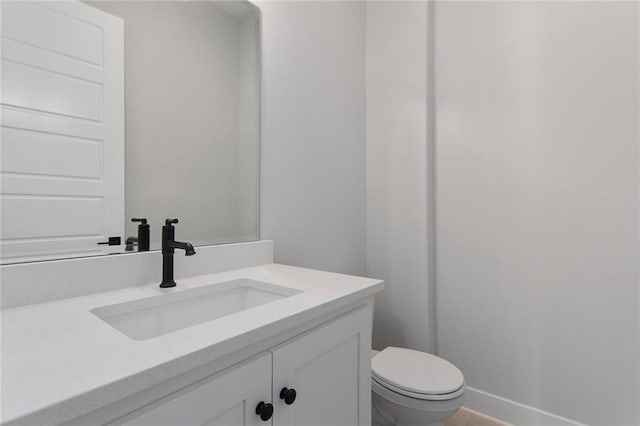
(158, 315)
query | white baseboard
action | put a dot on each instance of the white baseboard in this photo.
(511, 411)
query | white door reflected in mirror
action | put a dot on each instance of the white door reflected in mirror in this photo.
(62, 130)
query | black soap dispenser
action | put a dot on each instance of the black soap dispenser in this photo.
(143, 233)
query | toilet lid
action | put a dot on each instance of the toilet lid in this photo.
(416, 372)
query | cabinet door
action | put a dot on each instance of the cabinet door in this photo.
(329, 368)
(228, 398)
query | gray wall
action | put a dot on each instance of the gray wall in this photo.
(313, 146)
(537, 203)
(397, 174)
(248, 127)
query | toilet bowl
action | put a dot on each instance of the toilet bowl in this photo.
(412, 388)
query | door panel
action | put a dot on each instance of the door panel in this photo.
(334, 375)
(74, 35)
(61, 156)
(229, 417)
(330, 370)
(23, 212)
(62, 152)
(229, 398)
(28, 87)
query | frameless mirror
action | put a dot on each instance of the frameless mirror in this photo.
(115, 110)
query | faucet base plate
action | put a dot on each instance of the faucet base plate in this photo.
(168, 284)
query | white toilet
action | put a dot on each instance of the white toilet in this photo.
(412, 388)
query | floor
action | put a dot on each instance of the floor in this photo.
(467, 417)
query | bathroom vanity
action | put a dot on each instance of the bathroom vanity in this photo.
(268, 344)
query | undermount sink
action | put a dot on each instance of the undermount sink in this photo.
(158, 315)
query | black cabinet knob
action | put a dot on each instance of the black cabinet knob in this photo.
(288, 395)
(264, 410)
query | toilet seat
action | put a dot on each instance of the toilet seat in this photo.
(420, 396)
(417, 374)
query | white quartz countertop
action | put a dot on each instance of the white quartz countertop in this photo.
(60, 361)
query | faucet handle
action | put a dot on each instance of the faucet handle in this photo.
(170, 222)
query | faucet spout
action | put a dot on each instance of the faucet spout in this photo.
(187, 247)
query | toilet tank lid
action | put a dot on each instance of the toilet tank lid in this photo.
(416, 371)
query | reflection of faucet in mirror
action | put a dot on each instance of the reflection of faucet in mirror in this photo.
(142, 240)
(169, 244)
(130, 243)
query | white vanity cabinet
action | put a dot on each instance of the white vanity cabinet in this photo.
(225, 399)
(329, 369)
(327, 366)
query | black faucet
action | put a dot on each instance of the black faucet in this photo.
(169, 244)
(143, 233)
(142, 240)
(130, 242)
